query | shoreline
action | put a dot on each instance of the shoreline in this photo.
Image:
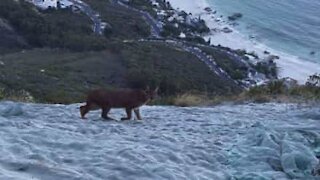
(289, 65)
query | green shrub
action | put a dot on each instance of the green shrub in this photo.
(170, 30)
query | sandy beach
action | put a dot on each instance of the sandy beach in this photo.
(289, 65)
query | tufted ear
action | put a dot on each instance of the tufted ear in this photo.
(156, 89)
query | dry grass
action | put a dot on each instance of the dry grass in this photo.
(274, 92)
(189, 99)
(17, 96)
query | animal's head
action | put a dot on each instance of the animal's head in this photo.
(151, 94)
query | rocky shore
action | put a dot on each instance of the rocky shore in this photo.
(223, 32)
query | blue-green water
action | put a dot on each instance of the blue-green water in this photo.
(291, 26)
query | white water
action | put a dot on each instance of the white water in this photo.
(267, 141)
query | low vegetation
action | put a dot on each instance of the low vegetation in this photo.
(51, 28)
(144, 5)
(62, 76)
(174, 70)
(279, 91)
(234, 68)
(191, 99)
(59, 66)
(16, 95)
(63, 59)
(176, 24)
(125, 24)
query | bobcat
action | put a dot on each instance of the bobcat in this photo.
(129, 99)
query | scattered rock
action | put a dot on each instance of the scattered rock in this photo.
(314, 80)
(272, 57)
(182, 35)
(235, 16)
(316, 170)
(312, 53)
(276, 57)
(234, 24)
(266, 52)
(227, 30)
(208, 9)
(253, 54)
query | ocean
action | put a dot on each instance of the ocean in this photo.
(290, 26)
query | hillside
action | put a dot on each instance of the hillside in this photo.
(65, 58)
(51, 28)
(62, 76)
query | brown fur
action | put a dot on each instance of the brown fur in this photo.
(107, 99)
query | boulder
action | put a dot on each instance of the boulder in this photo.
(316, 170)
(227, 30)
(235, 16)
(208, 9)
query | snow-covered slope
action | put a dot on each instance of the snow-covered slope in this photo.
(51, 142)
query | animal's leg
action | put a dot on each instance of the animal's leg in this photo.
(137, 112)
(129, 114)
(104, 114)
(84, 110)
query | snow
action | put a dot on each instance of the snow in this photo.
(266, 141)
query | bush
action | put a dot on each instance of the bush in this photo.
(196, 39)
(170, 30)
(188, 99)
(235, 69)
(16, 95)
(277, 90)
(270, 70)
(125, 23)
